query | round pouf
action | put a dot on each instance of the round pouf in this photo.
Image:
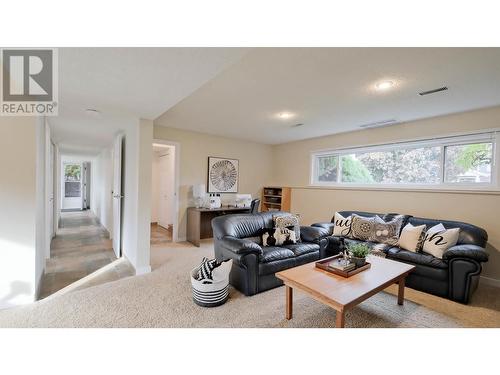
(213, 294)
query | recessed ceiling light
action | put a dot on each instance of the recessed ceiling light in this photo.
(384, 85)
(285, 115)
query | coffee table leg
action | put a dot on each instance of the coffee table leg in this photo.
(339, 319)
(289, 302)
(401, 291)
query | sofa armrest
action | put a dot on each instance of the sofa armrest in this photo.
(474, 252)
(312, 234)
(328, 226)
(240, 246)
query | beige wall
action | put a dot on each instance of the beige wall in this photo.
(288, 165)
(18, 193)
(292, 164)
(195, 148)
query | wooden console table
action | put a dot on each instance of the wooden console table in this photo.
(199, 221)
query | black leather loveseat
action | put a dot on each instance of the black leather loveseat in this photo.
(238, 237)
(455, 277)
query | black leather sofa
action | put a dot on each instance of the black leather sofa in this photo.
(238, 237)
(455, 277)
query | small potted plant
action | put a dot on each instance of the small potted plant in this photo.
(358, 252)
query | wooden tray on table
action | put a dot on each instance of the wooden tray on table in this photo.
(324, 265)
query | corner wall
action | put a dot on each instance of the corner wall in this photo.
(19, 273)
(136, 208)
(292, 168)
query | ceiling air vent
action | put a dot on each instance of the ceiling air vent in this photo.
(379, 124)
(444, 88)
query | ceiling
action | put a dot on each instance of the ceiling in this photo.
(125, 83)
(331, 90)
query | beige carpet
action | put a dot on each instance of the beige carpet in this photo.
(163, 299)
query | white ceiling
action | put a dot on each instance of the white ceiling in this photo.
(126, 83)
(331, 90)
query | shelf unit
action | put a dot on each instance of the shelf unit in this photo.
(275, 198)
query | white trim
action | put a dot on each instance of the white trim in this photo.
(441, 141)
(177, 147)
(142, 270)
(410, 140)
(490, 281)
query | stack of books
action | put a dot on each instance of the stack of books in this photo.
(341, 264)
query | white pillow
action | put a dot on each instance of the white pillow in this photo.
(438, 239)
(342, 225)
(412, 237)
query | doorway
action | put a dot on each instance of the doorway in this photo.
(164, 193)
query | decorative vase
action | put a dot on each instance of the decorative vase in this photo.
(359, 262)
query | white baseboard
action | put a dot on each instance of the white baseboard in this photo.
(490, 281)
(142, 270)
(138, 270)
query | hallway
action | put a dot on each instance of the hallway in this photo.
(81, 247)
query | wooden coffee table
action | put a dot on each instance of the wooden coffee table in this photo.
(344, 293)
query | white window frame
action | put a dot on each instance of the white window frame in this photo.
(450, 140)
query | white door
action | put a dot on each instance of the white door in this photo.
(117, 194)
(166, 177)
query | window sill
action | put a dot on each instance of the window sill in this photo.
(480, 191)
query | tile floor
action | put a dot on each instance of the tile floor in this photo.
(81, 246)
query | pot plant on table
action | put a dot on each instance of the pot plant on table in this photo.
(359, 253)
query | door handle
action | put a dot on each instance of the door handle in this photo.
(117, 196)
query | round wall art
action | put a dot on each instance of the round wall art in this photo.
(222, 175)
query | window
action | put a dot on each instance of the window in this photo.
(72, 184)
(469, 163)
(465, 161)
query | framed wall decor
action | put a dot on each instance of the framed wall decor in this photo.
(223, 175)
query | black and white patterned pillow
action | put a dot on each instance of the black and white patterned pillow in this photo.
(342, 225)
(278, 237)
(268, 238)
(206, 268)
(285, 236)
(375, 229)
(288, 221)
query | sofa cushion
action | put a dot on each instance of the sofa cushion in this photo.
(273, 253)
(375, 229)
(288, 221)
(278, 265)
(278, 237)
(303, 248)
(469, 234)
(412, 238)
(342, 225)
(438, 240)
(428, 260)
